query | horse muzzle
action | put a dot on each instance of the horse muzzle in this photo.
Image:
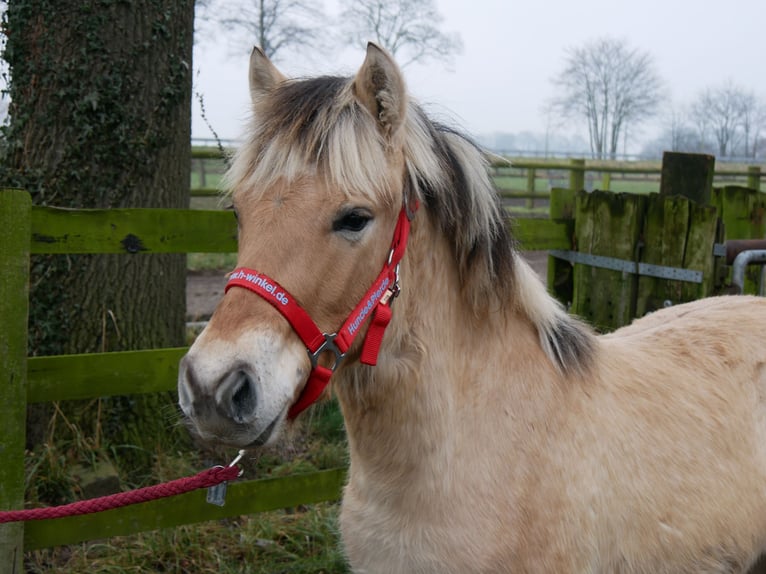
(233, 396)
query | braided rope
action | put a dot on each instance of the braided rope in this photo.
(204, 479)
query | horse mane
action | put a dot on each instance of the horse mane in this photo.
(318, 127)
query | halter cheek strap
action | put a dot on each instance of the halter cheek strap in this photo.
(375, 305)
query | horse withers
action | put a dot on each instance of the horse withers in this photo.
(489, 431)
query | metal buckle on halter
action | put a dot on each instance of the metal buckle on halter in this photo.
(328, 346)
(393, 291)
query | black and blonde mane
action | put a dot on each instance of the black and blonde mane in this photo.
(318, 127)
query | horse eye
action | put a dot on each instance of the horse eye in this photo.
(354, 221)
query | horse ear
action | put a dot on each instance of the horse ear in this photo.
(264, 76)
(379, 87)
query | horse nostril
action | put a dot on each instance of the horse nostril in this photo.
(243, 398)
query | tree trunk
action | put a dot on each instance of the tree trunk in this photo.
(101, 117)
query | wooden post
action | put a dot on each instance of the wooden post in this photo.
(743, 214)
(577, 174)
(689, 175)
(15, 217)
(559, 275)
(606, 181)
(754, 177)
(531, 174)
(608, 225)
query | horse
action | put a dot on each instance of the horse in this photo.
(488, 429)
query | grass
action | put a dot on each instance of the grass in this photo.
(211, 261)
(298, 540)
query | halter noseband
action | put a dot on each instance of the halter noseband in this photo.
(376, 303)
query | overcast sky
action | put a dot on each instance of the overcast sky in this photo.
(511, 51)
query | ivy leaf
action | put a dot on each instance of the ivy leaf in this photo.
(92, 99)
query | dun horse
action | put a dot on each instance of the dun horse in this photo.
(496, 433)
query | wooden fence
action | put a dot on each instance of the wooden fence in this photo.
(529, 175)
(632, 254)
(26, 230)
(660, 232)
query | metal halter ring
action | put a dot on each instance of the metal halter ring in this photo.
(328, 346)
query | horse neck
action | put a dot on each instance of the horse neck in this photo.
(438, 367)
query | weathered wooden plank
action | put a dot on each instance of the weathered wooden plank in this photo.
(664, 235)
(15, 206)
(687, 174)
(541, 234)
(559, 274)
(742, 214)
(562, 204)
(704, 232)
(69, 377)
(137, 230)
(242, 498)
(606, 224)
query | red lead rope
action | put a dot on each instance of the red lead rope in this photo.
(375, 305)
(205, 479)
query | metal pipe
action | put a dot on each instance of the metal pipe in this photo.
(736, 246)
(745, 258)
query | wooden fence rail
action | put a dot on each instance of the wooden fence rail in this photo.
(571, 173)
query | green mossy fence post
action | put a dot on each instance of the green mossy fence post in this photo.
(577, 174)
(606, 181)
(664, 243)
(559, 276)
(754, 177)
(531, 175)
(677, 233)
(743, 214)
(689, 175)
(606, 224)
(15, 222)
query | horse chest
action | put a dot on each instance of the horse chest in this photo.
(418, 531)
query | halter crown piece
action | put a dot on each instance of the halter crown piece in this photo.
(375, 305)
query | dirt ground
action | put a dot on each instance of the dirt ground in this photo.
(204, 290)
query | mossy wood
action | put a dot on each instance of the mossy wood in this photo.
(677, 233)
(541, 234)
(191, 231)
(606, 224)
(14, 301)
(689, 175)
(742, 213)
(69, 377)
(242, 498)
(559, 275)
(132, 231)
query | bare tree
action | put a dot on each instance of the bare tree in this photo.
(729, 119)
(409, 29)
(719, 110)
(611, 87)
(753, 122)
(277, 26)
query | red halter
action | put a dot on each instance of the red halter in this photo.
(376, 303)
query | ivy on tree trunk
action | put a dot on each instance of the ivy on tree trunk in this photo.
(100, 117)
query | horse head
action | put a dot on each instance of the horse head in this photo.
(318, 189)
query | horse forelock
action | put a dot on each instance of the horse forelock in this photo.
(312, 127)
